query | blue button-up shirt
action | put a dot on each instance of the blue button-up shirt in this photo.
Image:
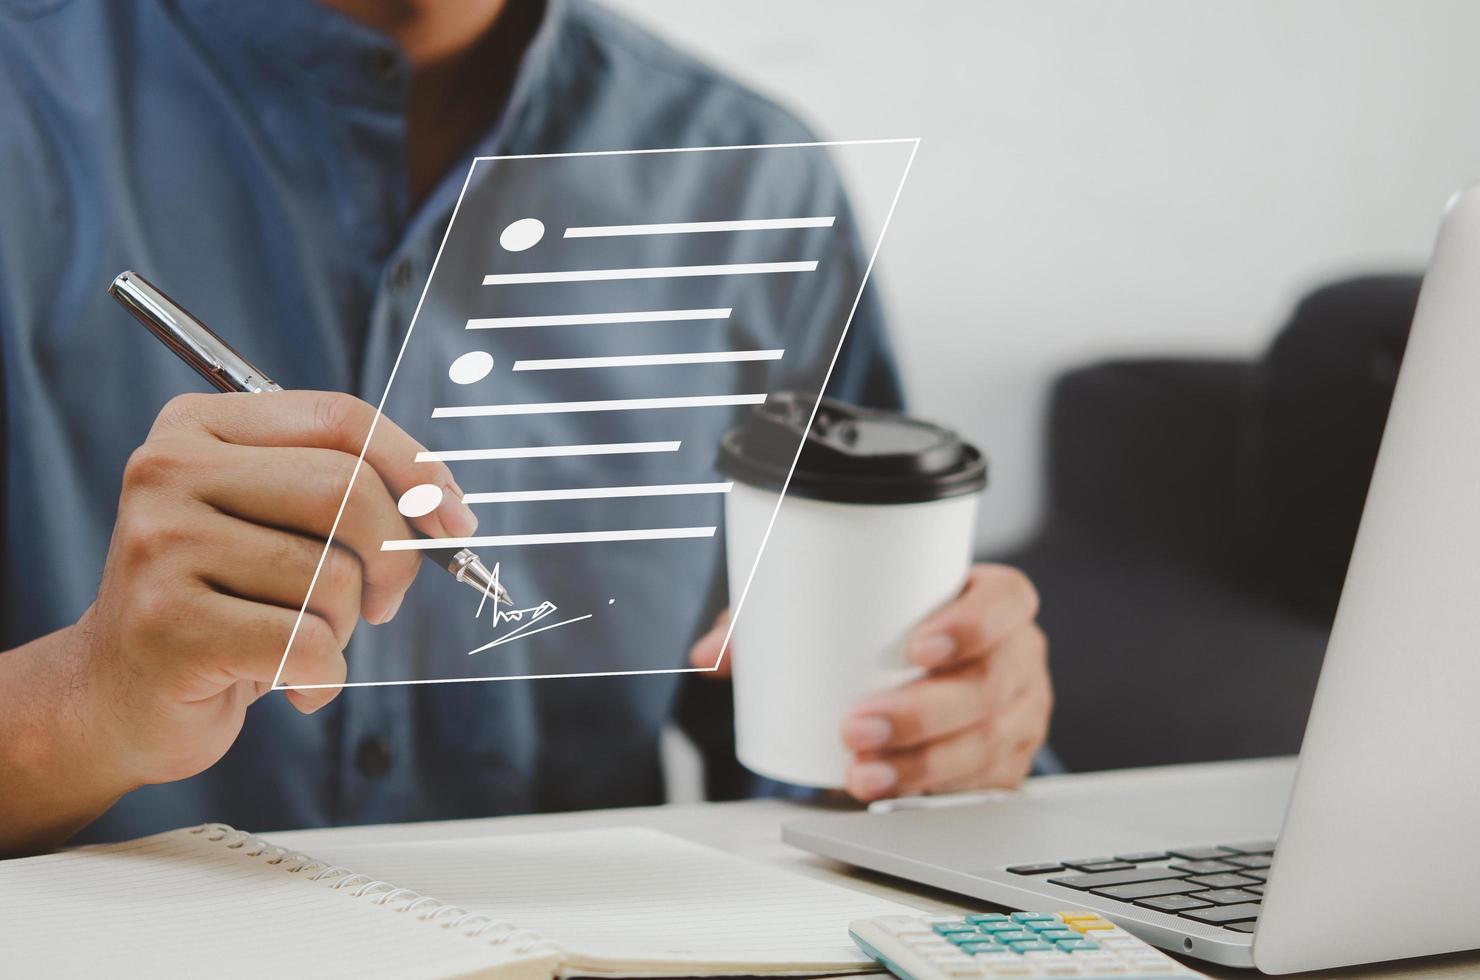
(250, 155)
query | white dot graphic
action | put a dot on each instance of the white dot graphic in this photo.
(522, 234)
(471, 367)
(420, 500)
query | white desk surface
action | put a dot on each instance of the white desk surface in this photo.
(752, 830)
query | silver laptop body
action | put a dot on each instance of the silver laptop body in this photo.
(1377, 856)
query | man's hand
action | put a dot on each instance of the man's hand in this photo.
(976, 720)
(221, 527)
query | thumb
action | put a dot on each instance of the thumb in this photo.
(707, 650)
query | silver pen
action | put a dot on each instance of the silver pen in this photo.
(216, 361)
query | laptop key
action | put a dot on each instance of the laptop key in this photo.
(1150, 889)
(1220, 915)
(1240, 926)
(1173, 903)
(1227, 896)
(1141, 857)
(1035, 869)
(1205, 867)
(1084, 882)
(1252, 847)
(1256, 889)
(1255, 861)
(1225, 880)
(1106, 864)
(1198, 853)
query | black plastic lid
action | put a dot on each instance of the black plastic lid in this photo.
(851, 455)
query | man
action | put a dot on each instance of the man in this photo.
(296, 164)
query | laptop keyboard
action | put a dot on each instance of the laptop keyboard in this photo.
(1218, 886)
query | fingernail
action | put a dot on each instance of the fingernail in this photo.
(458, 517)
(390, 613)
(872, 779)
(867, 732)
(932, 649)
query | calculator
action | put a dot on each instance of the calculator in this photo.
(1024, 945)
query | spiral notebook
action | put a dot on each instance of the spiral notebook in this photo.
(212, 901)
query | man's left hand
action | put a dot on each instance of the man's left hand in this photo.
(975, 720)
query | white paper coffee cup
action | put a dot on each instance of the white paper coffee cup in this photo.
(875, 533)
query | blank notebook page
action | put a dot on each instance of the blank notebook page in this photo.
(180, 905)
(632, 894)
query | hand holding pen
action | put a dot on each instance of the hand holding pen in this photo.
(221, 526)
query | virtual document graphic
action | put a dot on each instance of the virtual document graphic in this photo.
(592, 326)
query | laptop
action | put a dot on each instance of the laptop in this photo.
(1364, 848)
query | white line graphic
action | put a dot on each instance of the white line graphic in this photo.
(517, 635)
(541, 452)
(610, 405)
(594, 493)
(580, 319)
(699, 227)
(647, 360)
(650, 272)
(558, 537)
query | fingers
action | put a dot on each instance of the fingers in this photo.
(288, 563)
(707, 649)
(989, 755)
(324, 420)
(995, 601)
(261, 635)
(301, 490)
(948, 701)
(974, 725)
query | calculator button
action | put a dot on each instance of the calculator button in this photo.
(1056, 935)
(1016, 936)
(1031, 917)
(995, 928)
(1173, 903)
(1091, 925)
(1227, 896)
(1078, 945)
(972, 949)
(951, 928)
(1151, 889)
(1129, 876)
(1035, 869)
(1030, 946)
(981, 918)
(1223, 914)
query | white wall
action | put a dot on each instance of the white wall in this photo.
(1104, 178)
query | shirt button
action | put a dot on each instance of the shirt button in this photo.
(401, 274)
(384, 64)
(373, 757)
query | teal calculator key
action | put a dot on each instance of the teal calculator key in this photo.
(1040, 925)
(982, 918)
(1057, 935)
(1078, 946)
(1032, 917)
(1016, 936)
(995, 926)
(973, 949)
(947, 928)
(960, 938)
(1031, 946)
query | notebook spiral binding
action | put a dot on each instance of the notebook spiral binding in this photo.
(474, 925)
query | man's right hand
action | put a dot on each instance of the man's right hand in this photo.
(221, 527)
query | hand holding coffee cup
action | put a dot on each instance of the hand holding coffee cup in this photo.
(871, 655)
